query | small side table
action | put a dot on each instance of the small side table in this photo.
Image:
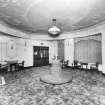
(12, 65)
(56, 76)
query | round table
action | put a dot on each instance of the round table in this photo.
(56, 75)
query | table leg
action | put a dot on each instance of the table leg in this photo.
(2, 80)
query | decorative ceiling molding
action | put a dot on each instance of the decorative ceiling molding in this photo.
(31, 5)
(34, 16)
(4, 3)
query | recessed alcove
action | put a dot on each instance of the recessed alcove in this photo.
(88, 49)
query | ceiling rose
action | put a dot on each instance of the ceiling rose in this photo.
(54, 30)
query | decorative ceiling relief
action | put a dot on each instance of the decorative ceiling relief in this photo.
(34, 16)
(4, 3)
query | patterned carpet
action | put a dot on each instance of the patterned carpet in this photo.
(25, 88)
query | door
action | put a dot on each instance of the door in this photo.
(41, 56)
(36, 52)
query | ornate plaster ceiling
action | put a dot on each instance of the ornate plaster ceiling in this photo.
(36, 15)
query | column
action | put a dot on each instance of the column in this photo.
(103, 52)
(69, 50)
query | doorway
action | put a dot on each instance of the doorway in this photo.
(40, 56)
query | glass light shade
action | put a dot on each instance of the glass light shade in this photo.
(54, 30)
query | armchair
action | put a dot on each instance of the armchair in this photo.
(21, 65)
(64, 63)
(3, 66)
(84, 65)
(94, 66)
(76, 64)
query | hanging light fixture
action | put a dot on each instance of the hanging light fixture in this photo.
(54, 30)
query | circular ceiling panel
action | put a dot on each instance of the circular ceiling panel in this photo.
(37, 14)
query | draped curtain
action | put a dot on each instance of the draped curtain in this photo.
(60, 49)
(88, 50)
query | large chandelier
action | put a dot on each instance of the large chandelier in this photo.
(54, 30)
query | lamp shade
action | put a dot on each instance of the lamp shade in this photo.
(54, 30)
